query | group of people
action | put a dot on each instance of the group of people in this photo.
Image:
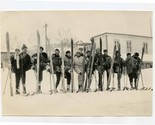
(84, 64)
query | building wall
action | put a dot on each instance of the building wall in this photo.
(108, 42)
(136, 43)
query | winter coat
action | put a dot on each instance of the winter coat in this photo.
(118, 65)
(99, 62)
(108, 60)
(57, 62)
(129, 66)
(89, 60)
(43, 60)
(78, 64)
(135, 63)
(24, 63)
(67, 63)
(14, 64)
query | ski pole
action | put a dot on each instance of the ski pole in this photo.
(6, 82)
(103, 80)
(142, 80)
(95, 80)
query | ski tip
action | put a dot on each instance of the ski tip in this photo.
(38, 33)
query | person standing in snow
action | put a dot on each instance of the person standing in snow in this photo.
(57, 62)
(118, 68)
(21, 63)
(107, 65)
(78, 67)
(16, 68)
(129, 68)
(67, 68)
(99, 63)
(136, 68)
(43, 61)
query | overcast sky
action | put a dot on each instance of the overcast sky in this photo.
(80, 25)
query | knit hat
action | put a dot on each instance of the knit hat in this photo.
(136, 54)
(105, 50)
(24, 46)
(118, 52)
(41, 48)
(78, 51)
(128, 54)
(68, 52)
(57, 50)
(17, 49)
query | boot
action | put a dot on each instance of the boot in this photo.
(24, 90)
(119, 87)
(68, 88)
(17, 92)
(39, 90)
(108, 88)
(80, 89)
(135, 86)
(131, 84)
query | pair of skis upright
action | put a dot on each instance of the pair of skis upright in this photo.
(9, 64)
(90, 67)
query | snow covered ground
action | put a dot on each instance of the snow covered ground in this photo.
(116, 103)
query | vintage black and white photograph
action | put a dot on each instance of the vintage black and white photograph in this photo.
(76, 63)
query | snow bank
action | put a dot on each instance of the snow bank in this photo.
(122, 103)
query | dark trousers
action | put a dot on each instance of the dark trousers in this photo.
(40, 75)
(68, 77)
(133, 76)
(107, 71)
(58, 76)
(100, 81)
(20, 75)
(119, 75)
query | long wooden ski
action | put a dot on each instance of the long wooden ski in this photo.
(100, 74)
(38, 60)
(72, 72)
(111, 68)
(63, 76)
(140, 66)
(92, 64)
(87, 70)
(51, 65)
(83, 74)
(9, 63)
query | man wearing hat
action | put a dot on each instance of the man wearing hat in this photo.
(57, 62)
(99, 62)
(67, 68)
(107, 65)
(78, 67)
(135, 67)
(16, 68)
(25, 65)
(43, 63)
(118, 68)
(20, 64)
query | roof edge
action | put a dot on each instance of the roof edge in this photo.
(106, 33)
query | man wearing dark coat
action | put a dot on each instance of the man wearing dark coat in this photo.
(118, 68)
(57, 62)
(20, 64)
(43, 61)
(107, 65)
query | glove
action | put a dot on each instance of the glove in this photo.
(33, 68)
(80, 73)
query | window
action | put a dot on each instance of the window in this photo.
(129, 48)
(116, 42)
(145, 45)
